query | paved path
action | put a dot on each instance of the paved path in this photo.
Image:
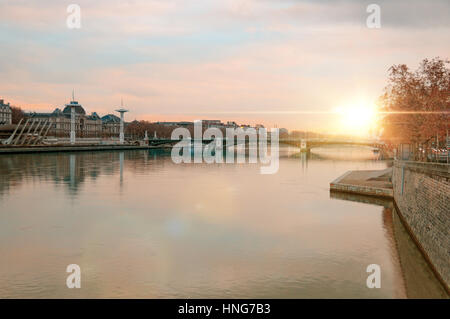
(368, 182)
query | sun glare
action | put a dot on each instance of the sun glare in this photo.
(357, 118)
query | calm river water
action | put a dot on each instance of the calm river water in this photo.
(140, 226)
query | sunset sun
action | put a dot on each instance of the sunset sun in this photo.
(357, 118)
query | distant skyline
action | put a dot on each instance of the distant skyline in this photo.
(275, 62)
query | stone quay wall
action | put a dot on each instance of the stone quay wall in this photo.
(422, 195)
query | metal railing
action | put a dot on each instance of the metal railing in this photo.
(439, 153)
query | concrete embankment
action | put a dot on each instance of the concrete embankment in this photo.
(420, 280)
(373, 183)
(68, 148)
(422, 196)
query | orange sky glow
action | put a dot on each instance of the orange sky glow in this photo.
(302, 65)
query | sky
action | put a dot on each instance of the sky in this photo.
(281, 63)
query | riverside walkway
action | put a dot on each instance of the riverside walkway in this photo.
(365, 182)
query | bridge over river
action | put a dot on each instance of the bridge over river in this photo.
(303, 144)
(307, 144)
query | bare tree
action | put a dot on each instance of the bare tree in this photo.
(16, 114)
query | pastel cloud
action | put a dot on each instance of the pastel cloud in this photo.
(208, 59)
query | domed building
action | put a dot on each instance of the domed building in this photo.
(85, 125)
(78, 108)
(110, 125)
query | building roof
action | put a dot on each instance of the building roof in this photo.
(78, 108)
(94, 116)
(56, 113)
(36, 114)
(110, 118)
(4, 105)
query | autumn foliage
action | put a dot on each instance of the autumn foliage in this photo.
(417, 102)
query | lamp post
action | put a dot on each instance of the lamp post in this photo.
(146, 137)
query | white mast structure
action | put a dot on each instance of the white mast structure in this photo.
(73, 104)
(121, 111)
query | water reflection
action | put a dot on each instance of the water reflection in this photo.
(419, 279)
(121, 157)
(72, 169)
(387, 203)
(141, 226)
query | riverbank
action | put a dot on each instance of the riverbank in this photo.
(421, 196)
(69, 148)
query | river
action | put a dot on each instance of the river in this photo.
(141, 226)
